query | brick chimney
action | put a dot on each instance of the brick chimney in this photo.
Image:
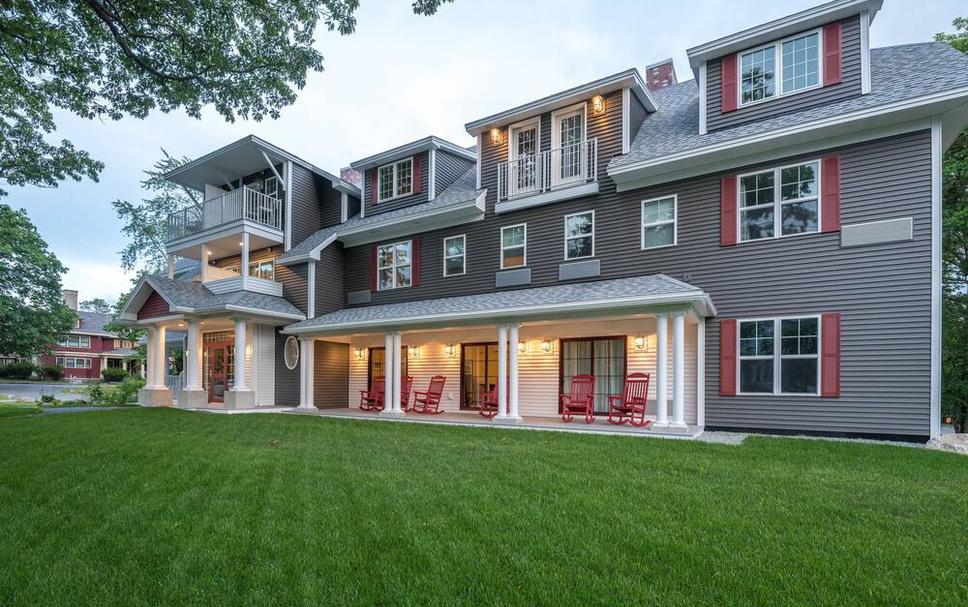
(660, 75)
(70, 298)
(350, 176)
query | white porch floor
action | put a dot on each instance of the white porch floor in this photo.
(600, 426)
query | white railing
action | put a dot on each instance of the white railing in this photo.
(241, 203)
(562, 167)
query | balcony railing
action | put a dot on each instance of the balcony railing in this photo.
(242, 203)
(562, 167)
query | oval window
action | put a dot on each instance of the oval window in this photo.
(291, 354)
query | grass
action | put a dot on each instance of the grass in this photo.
(148, 506)
(17, 409)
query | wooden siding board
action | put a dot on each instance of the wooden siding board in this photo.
(849, 86)
(154, 307)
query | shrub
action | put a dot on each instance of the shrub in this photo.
(22, 369)
(113, 375)
(47, 399)
(50, 371)
(127, 392)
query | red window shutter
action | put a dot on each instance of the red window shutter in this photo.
(830, 355)
(830, 193)
(373, 284)
(727, 211)
(373, 184)
(727, 357)
(417, 168)
(415, 262)
(728, 77)
(831, 54)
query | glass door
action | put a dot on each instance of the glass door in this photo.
(478, 373)
(603, 357)
(568, 159)
(220, 363)
(377, 366)
(524, 152)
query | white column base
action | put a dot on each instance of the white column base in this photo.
(678, 425)
(190, 397)
(661, 424)
(508, 419)
(388, 412)
(154, 397)
(239, 399)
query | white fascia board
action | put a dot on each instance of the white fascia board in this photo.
(861, 122)
(408, 149)
(422, 222)
(780, 28)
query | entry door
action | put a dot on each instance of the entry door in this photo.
(478, 372)
(524, 176)
(568, 161)
(603, 357)
(221, 370)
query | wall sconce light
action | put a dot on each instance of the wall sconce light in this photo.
(413, 351)
(598, 105)
(522, 347)
(546, 346)
(640, 342)
(450, 350)
(496, 136)
(360, 352)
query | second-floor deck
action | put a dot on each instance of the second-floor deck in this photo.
(242, 204)
(549, 171)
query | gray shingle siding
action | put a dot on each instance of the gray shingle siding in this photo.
(449, 168)
(329, 279)
(637, 115)
(849, 86)
(404, 201)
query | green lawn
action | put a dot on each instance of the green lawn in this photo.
(148, 507)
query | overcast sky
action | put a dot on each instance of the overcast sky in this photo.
(401, 77)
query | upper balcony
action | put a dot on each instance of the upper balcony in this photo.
(555, 174)
(240, 205)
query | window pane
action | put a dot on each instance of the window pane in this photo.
(385, 187)
(384, 256)
(798, 182)
(404, 180)
(758, 74)
(756, 189)
(798, 375)
(756, 224)
(756, 376)
(402, 252)
(658, 236)
(800, 63)
(579, 247)
(403, 276)
(513, 256)
(453, 246)
(577, 225)
(386, 278)
(513, 236)
(454, 265)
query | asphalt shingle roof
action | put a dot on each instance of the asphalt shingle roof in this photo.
(192, 294)
(898, 73)
(92, 323)
(654, 285)
(463, 190)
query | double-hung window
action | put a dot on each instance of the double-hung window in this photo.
(76, 341)
(580, 235)
(455, 255)
(262, 269)
(788, 364)
(779, 202)
(514, 245)
(395, 179)
(271, 187)
(781, 68)
(74, 363)
(394, 265)
(659, 222)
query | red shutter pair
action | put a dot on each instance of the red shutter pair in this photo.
(829, 201)
(729, 72)
(414, 265)
(829, 356)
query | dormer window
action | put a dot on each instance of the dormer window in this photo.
(781, 68)
(395, 179)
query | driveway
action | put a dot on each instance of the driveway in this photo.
(34, 391)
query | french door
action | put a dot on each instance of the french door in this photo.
(603, 357)
(220, 369)
(524, 171)
(478, 373)
(568, 157)
(377, 366)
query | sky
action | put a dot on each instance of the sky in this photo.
(401, 77)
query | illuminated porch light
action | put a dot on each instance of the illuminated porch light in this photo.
(546, 346)
(360, 352)
(640, 342)
(598, 105)
(413, 351)
(450, 350)
(496, 136)
(522, 347)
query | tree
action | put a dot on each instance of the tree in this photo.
(97, 305)
(105, 59)
(146, 222)
(954, 390)
(33, 314)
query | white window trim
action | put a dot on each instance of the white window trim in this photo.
(265, 187)
(256, 264)
(518, 126)
(396, 180)
(777, 203)
(81, 339)
(463, 255)
(674, 221)
(85, 362)
(567, 238)
(556, 126)
(525, 264)
(778, 63)
(777, 357)
(393, 267)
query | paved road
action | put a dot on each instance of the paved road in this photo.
(34, 391)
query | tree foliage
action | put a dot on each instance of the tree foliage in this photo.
(104, 59)
(97, 305)
(955, 259)
(32, 310)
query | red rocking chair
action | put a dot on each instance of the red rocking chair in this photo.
(428, 403)
(581, 399)
(405, 388)
(488, 401)
(372, 399)
(630, 405)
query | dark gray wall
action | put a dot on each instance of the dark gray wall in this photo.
(287, 382)
(294, 281)
(883, 291)
(331, 374)
(637, 115)
(449, 168)
(354, 207)
(315, 204)
(404, 201)
(849, 86)
(329, 279)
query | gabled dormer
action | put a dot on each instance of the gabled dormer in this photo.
(411, 174)
(555, 148)
(811, 58)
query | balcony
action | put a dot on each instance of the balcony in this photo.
(548, 176)
(243, 205)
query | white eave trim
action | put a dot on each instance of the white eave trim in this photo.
(408, 149)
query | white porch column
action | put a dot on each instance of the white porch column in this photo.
(240, 396)
(388, 357)
(193, 395)
(661, 369)
(155, 393)
(397, 372)
(306, 366)
(171, 267)
(244, 266)
(513, 375)
(678, 369)
(161, 363)
(203, 264)
(151, 363)
(502, 372)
